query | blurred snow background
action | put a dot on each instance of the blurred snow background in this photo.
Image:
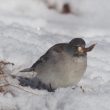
(28, 28)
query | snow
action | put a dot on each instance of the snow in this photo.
(28, 28)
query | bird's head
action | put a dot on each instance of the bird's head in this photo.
(78, 45)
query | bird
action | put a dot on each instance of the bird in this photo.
(63, 65)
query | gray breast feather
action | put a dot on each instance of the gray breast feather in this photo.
(64, 72)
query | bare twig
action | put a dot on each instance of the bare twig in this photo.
(3, 77)
(22, 89)
(8, 84)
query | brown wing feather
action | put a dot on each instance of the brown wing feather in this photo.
(58, 48)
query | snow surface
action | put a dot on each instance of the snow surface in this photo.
(28, 28)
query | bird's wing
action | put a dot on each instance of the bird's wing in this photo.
(52, 53)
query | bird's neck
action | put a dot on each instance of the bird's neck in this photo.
(70, 50)
(73, 51)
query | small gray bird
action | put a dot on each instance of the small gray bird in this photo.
(62, 65)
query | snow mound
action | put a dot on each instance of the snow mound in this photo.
(28, 28)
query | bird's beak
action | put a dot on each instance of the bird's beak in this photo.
(84, 50)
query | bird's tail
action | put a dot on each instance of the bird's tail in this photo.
(27, 70)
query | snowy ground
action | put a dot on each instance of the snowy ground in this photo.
(28, 29)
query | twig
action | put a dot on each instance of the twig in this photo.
(22, 89)
(2, 65)
(6, 63)
(3, 85)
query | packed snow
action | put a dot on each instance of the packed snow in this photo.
(28, 28)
